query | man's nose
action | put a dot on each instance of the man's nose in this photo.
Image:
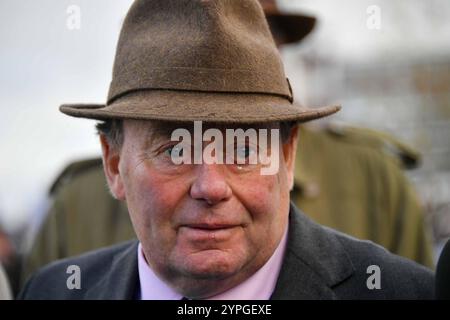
(210, 184)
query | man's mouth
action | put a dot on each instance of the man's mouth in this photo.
(210, 226)
(208, 231)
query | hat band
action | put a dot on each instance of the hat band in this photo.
(200, 80)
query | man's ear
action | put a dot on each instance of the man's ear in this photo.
(289, 152)
(111, 160)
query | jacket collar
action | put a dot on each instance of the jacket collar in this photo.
(314, 261)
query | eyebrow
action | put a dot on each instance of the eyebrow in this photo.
(162, 130)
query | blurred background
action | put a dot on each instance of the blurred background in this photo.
(386, 62)
(393, 77)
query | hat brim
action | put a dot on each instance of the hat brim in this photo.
(199, 106)
(294, 27)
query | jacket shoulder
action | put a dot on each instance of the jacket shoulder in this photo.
(52, 281)
(74, 170)
(391, 146)
(322, 263)
(398, 277)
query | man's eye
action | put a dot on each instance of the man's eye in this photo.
(245, 152)
(174, 152)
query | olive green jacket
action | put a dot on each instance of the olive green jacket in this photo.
(352, 180)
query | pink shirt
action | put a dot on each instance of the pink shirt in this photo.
(259, 286)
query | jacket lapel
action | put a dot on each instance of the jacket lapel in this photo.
(121, 282)
(314, 261)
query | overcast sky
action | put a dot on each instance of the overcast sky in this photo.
(43, 64)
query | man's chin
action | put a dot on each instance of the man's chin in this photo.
(207, 278)
(211, 265)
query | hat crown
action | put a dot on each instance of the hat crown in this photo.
(197, 45)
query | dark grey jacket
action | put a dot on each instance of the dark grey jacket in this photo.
(319, 263)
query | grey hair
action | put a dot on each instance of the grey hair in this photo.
(113, 132)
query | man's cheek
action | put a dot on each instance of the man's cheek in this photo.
(268, 185)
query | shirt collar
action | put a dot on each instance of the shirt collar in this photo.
(259, 286)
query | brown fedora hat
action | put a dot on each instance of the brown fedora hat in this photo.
(287, 27)
(209, 60)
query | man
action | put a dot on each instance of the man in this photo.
(376, 202)
(9, 261)
(210, 229)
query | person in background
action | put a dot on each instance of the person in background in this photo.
(350, 178)
(7, 250)
(5, 290)
(10, 259)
